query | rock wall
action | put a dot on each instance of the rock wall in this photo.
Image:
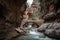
(37, 4)
(11, 12)
(51, 27)
(52, 13)
(49, 10)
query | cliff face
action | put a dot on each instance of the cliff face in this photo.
(52, 13)
(51, 27)
(13, 9)
(40, 5)
(11, 12)
(49, 10)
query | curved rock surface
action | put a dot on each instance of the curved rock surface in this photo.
(10, 17)
(50, 29)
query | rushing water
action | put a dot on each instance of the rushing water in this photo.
(33, 35)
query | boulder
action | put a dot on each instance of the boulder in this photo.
(50, 29)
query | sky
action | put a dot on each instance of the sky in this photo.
(29, 2)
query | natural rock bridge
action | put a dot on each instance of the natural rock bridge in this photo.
(12, 25)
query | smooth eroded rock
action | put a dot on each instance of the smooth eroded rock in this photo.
(50, 29)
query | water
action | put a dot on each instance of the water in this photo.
(33, 35)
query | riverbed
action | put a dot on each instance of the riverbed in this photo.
(32, 34)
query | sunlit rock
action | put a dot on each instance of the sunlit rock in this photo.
(21, 31)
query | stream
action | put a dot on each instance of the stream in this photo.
(32, 34)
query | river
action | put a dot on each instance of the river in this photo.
(33, 35)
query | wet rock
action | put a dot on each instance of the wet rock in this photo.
(50, 29)
(43, 27)
(21, 31)
(49, 32)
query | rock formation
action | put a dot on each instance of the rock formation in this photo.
(52, 13)
(50, 29)
(51, 26)
(11, 12)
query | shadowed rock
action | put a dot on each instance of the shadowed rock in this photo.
(50, 29)
(10, 17)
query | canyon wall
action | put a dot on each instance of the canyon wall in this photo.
(52, 13)
(11, 12)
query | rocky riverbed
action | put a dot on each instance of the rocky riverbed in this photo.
(33, 34)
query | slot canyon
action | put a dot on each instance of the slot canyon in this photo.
(29, 19)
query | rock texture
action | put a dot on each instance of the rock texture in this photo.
(11, 12)
(50, 29)
(52, 13)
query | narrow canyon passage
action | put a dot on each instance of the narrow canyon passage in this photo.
(34, 12)
(29, 19)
